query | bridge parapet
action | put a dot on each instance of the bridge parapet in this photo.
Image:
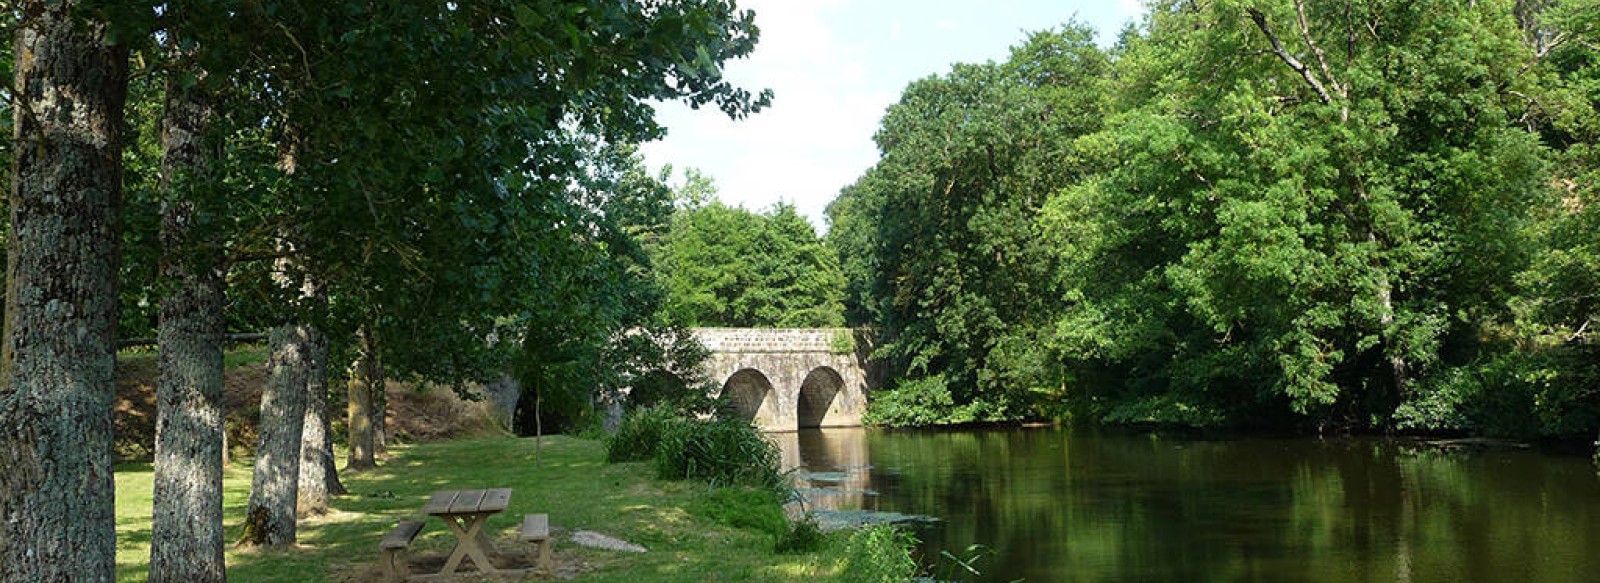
(772, 340)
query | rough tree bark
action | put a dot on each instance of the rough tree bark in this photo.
(186, 541)
(274, 491)
(366, 371)
(318, 478)
(330, 470)
(56, 492)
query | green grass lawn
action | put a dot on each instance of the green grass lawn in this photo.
(573, 485)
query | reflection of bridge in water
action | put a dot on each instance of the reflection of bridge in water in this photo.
(831, 467)
(789, 379)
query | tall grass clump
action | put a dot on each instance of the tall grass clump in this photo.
(799, 537)
(724, 452)
(640, 434)
(761, 509)
(878, 554)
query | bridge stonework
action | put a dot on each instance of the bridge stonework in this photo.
(789, 379)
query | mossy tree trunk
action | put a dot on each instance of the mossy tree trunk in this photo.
(186, 540)
(274, 491)
(366, 371)
(57, 520)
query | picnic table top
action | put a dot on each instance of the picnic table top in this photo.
(468, 501)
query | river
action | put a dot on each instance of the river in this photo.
(1060, 505)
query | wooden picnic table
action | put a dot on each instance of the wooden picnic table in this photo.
(465, 512)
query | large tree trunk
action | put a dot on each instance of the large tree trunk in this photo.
(186, 532)
(57, 521)
(318, 478)
(274, 491)
(367, 371)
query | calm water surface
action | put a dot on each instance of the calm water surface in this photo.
(1057, 505)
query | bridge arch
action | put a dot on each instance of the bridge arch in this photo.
(818, 393)
(751, 394)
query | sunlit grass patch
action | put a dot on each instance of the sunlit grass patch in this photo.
(572, 484)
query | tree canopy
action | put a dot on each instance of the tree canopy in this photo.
(1360, 214)
(453, 180)
(727, 266)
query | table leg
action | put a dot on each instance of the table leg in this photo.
(470, 542)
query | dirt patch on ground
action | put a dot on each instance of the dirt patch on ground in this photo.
(416, 412)
(564, 566)
(135, 405)
(433, 412)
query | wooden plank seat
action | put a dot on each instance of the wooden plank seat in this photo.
(395, 563)
(536, 529)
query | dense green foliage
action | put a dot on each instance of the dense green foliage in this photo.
(725, 266)
(457, 178)
(725, 452)
(1357, 214)
(940, 239)
(638, 436)
(721, 451)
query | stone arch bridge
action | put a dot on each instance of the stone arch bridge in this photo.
(787, 379)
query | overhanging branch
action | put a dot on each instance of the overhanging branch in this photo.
(1288, 59)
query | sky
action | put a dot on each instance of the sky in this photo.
(834, 66)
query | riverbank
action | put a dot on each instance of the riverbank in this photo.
(689, 535)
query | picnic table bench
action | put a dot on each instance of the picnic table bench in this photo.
(465, 512)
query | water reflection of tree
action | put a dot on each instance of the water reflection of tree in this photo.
(1118, 508)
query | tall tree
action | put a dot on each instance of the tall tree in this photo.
(319, 479)
(186, 542)
(56, 491)
(447, 228)
(943, 227)
(274, 489)
(1302, 208)
(725, 266)
(365, 379)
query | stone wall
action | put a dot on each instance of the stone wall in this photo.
(768, 340)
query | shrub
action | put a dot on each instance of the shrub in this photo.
(878, 554)
(726, 452)
(1523, 394)
(800, 536)
(914, 403)
(926, 401)
(640, 433)
(843, 342)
